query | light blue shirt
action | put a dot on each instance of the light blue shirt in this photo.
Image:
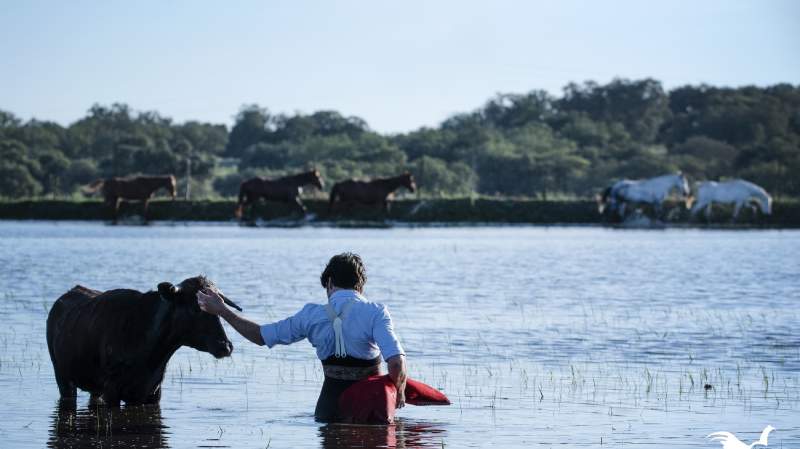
(367, 328)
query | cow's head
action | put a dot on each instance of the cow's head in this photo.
(198, 329)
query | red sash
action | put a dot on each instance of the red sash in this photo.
(373, 400)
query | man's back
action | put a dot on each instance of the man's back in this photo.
(366, 326)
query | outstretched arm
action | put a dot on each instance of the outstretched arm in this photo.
(210, 302)
(397, 372)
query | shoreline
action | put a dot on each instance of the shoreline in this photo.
(457, 212)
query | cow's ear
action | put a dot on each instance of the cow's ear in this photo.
(167, 291)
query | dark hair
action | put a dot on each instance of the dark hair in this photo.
(345, 270)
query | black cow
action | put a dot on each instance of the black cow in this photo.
(116, 344)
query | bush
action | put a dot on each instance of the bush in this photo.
(16, 181)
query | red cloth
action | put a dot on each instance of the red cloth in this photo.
(373, 400)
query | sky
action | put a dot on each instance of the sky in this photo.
(397, 65)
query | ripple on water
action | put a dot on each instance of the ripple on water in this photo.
(539, 336)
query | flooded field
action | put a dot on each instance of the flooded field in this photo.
(541, 337)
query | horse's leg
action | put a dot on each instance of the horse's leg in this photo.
(696, 208)
(240, 203)
(622, 210)
(146, 202)
(736, 210)
(658, 210)
(708, 211)
(247, 204)
(114, 203)
(334, 194)
(300, 205)
(250, 203)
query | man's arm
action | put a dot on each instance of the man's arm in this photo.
(397, 372)
(383, 333)
(211, 303)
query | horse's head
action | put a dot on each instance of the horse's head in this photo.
(407, 180)
(683, 185)
(603, 199)
(316, 179)
(690, 199)
(765, 204)
(171, 183)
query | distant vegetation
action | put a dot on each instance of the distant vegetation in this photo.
(523, 145)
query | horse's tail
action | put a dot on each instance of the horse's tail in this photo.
(334, 194)
(93, 187)
(240, 203)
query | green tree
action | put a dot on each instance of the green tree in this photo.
(642, 106)
(80, 172)
(251, 127)
(54, 167)
(17, 182)
(436, 177)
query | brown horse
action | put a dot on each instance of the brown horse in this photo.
(137, 188)
(286, 190)
(377, 191)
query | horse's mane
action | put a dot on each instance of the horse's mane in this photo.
(390, 178)
(757, 191)
(306, 174)
(132, 177)
(677, 174)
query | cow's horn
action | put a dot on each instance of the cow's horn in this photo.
(229, 302)
(167, 290)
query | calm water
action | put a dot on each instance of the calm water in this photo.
(541, 337)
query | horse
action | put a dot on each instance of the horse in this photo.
(736, 191)
(138, 188)
(651, 191)
(377, 191)
(286, 189)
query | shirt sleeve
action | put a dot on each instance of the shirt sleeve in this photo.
(287, 331)
(383, 333)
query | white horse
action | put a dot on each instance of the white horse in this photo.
(736, 191)
(651, 191)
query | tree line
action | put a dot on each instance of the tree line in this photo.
(527, 145)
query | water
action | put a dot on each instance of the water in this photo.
(541, 337)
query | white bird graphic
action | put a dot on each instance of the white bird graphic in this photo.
(729, 440)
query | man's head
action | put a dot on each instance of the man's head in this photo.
(345, 271)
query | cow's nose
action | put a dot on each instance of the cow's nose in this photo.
(224, 348)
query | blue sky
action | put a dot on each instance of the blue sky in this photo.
(398, 65)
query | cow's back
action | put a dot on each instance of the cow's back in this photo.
(64, 340)
(78, 326)
(68, 306)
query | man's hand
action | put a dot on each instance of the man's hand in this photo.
(401, 398)
(397, 372)
(210, 302)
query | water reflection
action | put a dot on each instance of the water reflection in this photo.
(136, 426)
(401, 434)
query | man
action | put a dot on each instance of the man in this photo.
(349, 333)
